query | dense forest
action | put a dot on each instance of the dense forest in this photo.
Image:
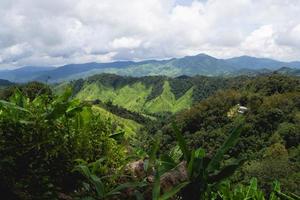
(154, 137)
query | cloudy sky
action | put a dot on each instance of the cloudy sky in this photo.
(56, 32)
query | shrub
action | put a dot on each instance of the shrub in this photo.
(40, 139)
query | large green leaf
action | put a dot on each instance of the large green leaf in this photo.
(18, 98)
(181, 142)
(118, 136)
(125, 186)
(190, 168)
(200, 153)
(74, 107)
(167, 195)
(58, 110)
(10, 105)
(285, 196)
(156, 187)
(153, 152)
(252, 189)
(225, 172)
(98, 184)
(167, 163)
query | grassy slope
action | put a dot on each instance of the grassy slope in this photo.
(133, 97)
(61, 88)
(167, 102)
(129, 126)
(94, 91)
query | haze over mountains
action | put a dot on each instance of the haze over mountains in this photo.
(200, 64)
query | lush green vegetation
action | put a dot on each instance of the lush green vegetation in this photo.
(94, 139)
(271, 136)
(154, 94)
(41, 139)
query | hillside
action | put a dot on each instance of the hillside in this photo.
(289, 71)
(200, 64)
(248, 62)
(270, 138)
(129, 127)
(151, 94)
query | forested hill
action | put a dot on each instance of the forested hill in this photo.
(150, 94)
(270, 138)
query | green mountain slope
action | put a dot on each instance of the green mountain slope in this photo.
(150, 94)
(134, 97)
(130, 127)
(166, 102)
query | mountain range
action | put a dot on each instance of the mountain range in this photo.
(200, 64)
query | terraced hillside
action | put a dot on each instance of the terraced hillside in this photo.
(150, 94)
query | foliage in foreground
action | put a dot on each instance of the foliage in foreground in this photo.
(41, 138)
(204, 177)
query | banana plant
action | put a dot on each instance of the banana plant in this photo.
(204, 172)
(277, 194)
(96, 186)
(241, 192)
(158, 166)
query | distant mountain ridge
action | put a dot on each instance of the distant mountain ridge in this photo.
(200, 64)
(4, 83)
(24, 74)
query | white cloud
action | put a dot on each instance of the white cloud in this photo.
(125, 42)
(290, 36)
(54, 32)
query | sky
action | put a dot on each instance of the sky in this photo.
(57, 32)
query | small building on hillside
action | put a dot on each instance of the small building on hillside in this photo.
(242, 109)
(237, 109)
